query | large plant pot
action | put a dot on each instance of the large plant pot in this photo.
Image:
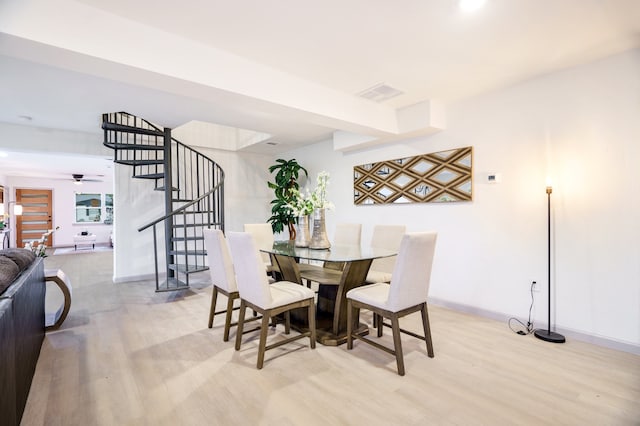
(319, 238)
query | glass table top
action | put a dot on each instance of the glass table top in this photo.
(333, 254)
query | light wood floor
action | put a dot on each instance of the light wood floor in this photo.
(129, 356)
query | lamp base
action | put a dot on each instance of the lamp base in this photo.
(549, 336)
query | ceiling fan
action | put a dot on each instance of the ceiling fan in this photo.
(78, 179)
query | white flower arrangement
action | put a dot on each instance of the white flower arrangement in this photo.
(319, 195)
(305, 204)
(301, 204)
(40, 248)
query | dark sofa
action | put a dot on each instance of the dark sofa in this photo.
(22, 295)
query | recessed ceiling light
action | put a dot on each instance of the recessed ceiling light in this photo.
(25, 117)
(471, 5)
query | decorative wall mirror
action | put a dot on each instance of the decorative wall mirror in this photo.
(439, 177)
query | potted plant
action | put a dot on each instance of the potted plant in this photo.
(286, 179)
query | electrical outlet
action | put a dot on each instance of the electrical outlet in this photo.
(535, 287)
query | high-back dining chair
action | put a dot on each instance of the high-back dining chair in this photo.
(407, 294)
(389, 237)
(268, 299)
(263, 236)
(347, 234)
(222, 274)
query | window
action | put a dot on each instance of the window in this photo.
(95, 208)
(108, 204)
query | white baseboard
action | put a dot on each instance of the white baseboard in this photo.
(577, 335)
(133, 278)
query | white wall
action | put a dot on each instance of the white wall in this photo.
(581, 128)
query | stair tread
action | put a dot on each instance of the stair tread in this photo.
(133, 146)
(188, 269)
(172, 284)
(197, 238)
(189, 252)
(130, 129)
(139, 162)
(150, 176)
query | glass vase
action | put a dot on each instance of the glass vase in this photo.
(319, 238)
(303, 234)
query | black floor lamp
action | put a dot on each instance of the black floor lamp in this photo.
(548, 335)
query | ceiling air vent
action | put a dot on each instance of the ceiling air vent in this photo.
(380, 92)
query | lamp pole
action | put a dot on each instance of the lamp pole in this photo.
(548, 335)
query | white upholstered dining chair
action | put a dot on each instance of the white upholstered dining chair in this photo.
(347, 234)
(406, 294)
(263, 236)
(268, 299)
(222, 276)
(387, 237)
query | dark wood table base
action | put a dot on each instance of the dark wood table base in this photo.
(331, 306)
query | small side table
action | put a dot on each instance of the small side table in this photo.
(53, 320)
(84, 239)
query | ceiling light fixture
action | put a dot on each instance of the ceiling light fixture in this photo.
(471, 5)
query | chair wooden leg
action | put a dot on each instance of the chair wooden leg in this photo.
(427, 330)
(287, 322)
(263, 339)
(243, 308)
(312, 324)
(380, 324)
(397, 343)
(227, 320)
(350, 324)
(212, 310)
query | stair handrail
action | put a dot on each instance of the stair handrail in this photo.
(183, 207)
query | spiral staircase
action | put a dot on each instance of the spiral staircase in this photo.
(193, 187)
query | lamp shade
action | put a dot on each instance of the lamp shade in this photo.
(17, 209)
(1, 210)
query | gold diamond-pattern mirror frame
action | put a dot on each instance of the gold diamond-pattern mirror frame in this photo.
(439, 177)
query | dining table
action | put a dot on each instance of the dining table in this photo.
(331, 303)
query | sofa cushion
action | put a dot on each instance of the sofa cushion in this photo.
(8, 271)
(22, 257)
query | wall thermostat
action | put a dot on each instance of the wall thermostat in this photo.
(494, 177)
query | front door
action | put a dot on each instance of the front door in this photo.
(36, 215)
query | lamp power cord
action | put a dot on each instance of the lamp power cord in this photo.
(523, 329)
